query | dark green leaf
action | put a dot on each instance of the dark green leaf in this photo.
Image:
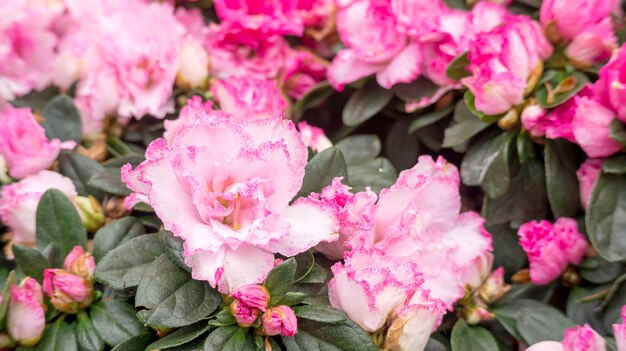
(62, 119)
(320, 313)
(416, 91)
(524, 292)
(118, 162)
(30, 261)
(280, 279)
(114, 234)
(599, 271)
(561, 181)
(540, 323)
(36, 100)
(525, 147)
(365, 103)
(613, 310)
(436, 345)
(429, 118)
(303, 341)
(58, 336)
(304, 264)
(124, 266)
(180, 336)
(507, 251)
(230, 339)
(223, 318)
(553, 78)
(86, 334)
(496, 176)
(468, 338)
(615, 164)
(109, 181)
(345, 336)
(585, 312)
(317, 274)
(606, 217)
(173, 247)
(401, 148)
(115, 321)
(617, 131)
(292, 298)
(456, 69)
(4, 305)
(468, 97)
(377, 174)
(359, 148)
(467, 125)
(313, 98)
(135, 343)
(58, 224)
(321, 171)
(171, 297)
(80, 169)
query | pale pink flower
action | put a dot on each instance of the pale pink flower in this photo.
(619, 330)
(551, 247)
(193, 109)
(27, 45)
(252, 295)
(546, 346)
(583, 339)
(18, 203)
(381, 49)
(24, 145)
(248, 98)
(591, 126)
(233, 183)
(501, 62)
(26, 317)
(610, 88)
(68, 292)
(279, 320)
(267, 17)
(587, 175)
(314, 137)
(193, 70)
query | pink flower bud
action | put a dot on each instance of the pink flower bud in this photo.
(26, 317)
(314, 137)
(253, 296)
(80, 263)
(244, 314)
(68, 292)
(279, 320)
(533, 120)
(587, 175)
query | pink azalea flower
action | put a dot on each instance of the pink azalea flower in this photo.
(244, 315)
(248, 98)
(610, 88)
(26, 317)
(551, 247)
(252, 295)
(193, 110)
(27, 45)
(301, 72)
(80, 263)
(587, 175)
(68, 292)
(314, 137)
(18, 203)
(501, 62)
(380, 50)
(279, 320)
(193, 70)
(591, 126)
(620, 332)
(583, 339)
(268, 17)
(546, 346)
(234, 181)
(24, 145)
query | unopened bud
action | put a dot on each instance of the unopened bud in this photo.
(245, 315)
(280, 320)
(90, 212)
(68, 292)
(80, 263)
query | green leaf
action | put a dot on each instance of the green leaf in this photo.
(280, 279)
(304, 264)
(523, 292)
(109, 181)
(561, 181)
(617, 131)
(320, 313)
(4, 305)
(553, 78)
(436, 345)
(80, 169)
(317, 274)
(506, 249)
(115, 321)
(599, 271)
(124, 266)
(321, 171)
(86, 334)
(223, 318)
(173, 247)
(114, 234)
(313, 98)
(118, 162)
(365, 103)
(58, 224)
(304, 341)
(525, 147)
(62, 119)
(496, 177)
(468, 338)
(135, 343)
(359, 148)
(58, 336)
(231, 338)
(429, 118)
(401, 148)
(606, 217)
(171, 297)
(508, 313)
(585, 312)
(479, 156)
(377, 174)
(419, 89)
(344, 336)
(30, 261)
(613, 310)
(468, 98)
(542, 322)
(292, 298)
(456, 69)
(615, 164)
(180, 336)
(466, 126)
(36, 100)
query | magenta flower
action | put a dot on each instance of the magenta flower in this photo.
(551, 247)
(267, 17)
(611, 86)
(620, 332)
(26, 318)
(244, 315)
(591, 127)
(587, 175)
(254, 296)
(279, 320)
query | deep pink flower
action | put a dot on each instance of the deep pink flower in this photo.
(68, 292)
(26, 318)
(619, 331)
(314, 137)
(551, 247)
(610, 88)
(244, 314)
(380, 50)
(234, 181)
(583, 339)
(591, 126)
(252, 295)
(587, 175)
(279, 320)
(267, 17)
(23, 143)
(18, 203)
(248, 98)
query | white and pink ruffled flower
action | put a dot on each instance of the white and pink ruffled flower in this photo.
(26, 318)
(381, 49)
(193, 109)
(551, 247)
(314, 137)
(18, 203)
(234, 181)
(24, 145)
(583, 339)
(619, 330)
(248, 98)
(587, 175)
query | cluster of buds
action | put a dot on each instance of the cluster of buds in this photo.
(26, 316)
(71, 289)
(252, 301)
(477, 301)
